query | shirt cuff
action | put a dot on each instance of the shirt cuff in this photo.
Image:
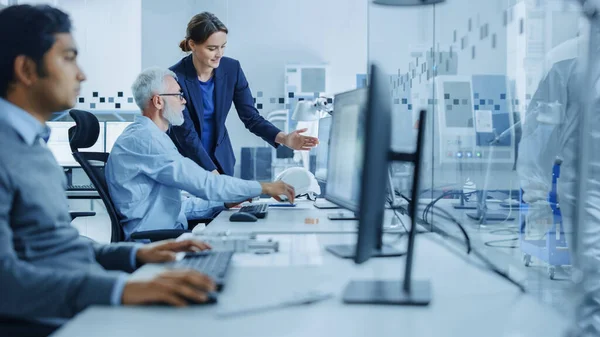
(117, 292)
(132, 257)
(255, 188)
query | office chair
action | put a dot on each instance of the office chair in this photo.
(84, 135)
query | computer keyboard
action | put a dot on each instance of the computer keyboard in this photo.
(211, 263)
(258, 210)
(81, 188)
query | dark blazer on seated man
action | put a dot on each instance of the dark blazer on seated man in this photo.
(230, 86)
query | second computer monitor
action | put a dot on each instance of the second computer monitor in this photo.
(323, 149)
(346, 149)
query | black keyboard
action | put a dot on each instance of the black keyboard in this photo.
(259, 210)
(81, 188)
(211, 263)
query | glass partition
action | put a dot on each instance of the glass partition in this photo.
(497, 79)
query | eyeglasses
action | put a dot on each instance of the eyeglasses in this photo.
(180, 94)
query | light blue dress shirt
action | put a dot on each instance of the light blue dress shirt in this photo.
(31, 130)
(146, 174)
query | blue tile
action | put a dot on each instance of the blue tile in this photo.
(129, 99)
(482, 102)
(404, 101)
(456, 102)
(490, 102)
(259, 94)
(410, 107)
(497, 107)
(272, 100)
(281, 100)
(476, 95)
(397, 101)
(92, 105)
(449, 107)
(476, 107)
(446, 96)
(111, 100)
(502, 96)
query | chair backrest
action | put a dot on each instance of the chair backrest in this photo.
(84, 135)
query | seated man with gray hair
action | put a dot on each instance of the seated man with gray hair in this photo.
(146, 174)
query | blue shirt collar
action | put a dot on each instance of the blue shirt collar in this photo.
(29, 128)
(143, 120)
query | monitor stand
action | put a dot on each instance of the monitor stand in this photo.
(342, 216)
(387, 292)
(483, 216)
(490, 217)
(464, 204)
(325, 204)
(349, 251)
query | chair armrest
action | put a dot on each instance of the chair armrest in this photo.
(158, 235)
(75, 215)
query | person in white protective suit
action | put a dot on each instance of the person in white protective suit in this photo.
(552, 130)
(549, 124)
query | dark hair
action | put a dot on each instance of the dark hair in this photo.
(28, 30)
(200, 28)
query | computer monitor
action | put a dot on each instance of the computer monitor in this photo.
(113, 131)
(345, 149)
(60, 147)
(344, 173)
(374, 169)
(323, 149)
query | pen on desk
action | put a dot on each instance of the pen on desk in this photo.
(310, 298)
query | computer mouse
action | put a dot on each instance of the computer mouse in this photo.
(242, 217)
(211, 299)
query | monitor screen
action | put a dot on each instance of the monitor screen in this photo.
(59, 143)
(113, 131)
(323, 149)
(345, 149)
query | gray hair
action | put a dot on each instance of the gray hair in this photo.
(149, 82)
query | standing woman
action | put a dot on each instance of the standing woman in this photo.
(210, 83)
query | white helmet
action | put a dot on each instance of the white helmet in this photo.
(302, 180)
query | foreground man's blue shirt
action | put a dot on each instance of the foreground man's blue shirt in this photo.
(62, 247)
(146, 174)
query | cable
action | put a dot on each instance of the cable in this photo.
(467, 241)
(493, 243)
(488, 264)
(508, 230)
(449, 217)
(394, 208)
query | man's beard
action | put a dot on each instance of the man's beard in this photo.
(172, 115)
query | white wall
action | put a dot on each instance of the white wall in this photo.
(264, 36)
(108, 34)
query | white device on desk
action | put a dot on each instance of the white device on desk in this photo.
(239, 243)
(60, 147)
(303, 182)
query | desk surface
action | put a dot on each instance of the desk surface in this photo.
(466, 301)
(292, 220)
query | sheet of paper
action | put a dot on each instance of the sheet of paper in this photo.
(484, 121)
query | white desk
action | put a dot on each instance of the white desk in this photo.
(465, 300)
(291, 220)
